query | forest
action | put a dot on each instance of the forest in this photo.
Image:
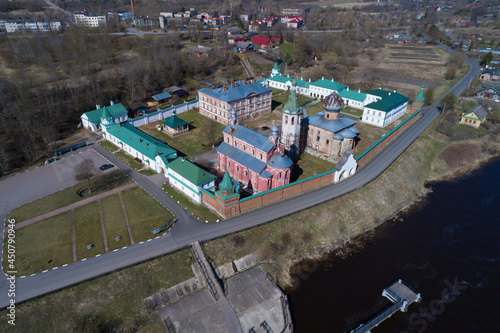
(49, 80)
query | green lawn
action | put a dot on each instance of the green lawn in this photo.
(316, 108)
(353, 111)
(46, 244)
(99, 184)
(310, 165)
(88, 230)
(194, 142)
(148, 172)
(129, 160)
(199, 211)
(108, 145)
(114, 222)
(144, 213)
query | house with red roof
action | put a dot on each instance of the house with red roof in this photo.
(271, 20)
(261, 42)
(295, 23)
(277, 40)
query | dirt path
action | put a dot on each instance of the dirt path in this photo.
(104, 236)
(73, 231)
(126, 220)
(72, 206)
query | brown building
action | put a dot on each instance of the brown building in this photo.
(248, 99)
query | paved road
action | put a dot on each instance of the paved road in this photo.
(187, 229)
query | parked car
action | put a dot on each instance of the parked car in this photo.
(106, 166)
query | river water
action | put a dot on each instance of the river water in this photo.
(446, 247)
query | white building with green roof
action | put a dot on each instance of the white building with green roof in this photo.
(384, 107)
(153, 153)
(92, 119)
(322, 88)
(189, 178)
(352, 98)
(285, 83)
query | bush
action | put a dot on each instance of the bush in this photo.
(450, 73)
(238, 240)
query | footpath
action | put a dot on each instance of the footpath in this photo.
(72, 206)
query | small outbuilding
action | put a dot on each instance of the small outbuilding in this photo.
(161, 98)
(175, 126)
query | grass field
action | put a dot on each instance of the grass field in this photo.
(46, 244)
(88, 230)
(112, 303)
(199, 211)
(129, 160)
(143, 221)
(99, 184)
(195, 141)
(114, 222)
(309, 165)
(148, 172)
(108, 145)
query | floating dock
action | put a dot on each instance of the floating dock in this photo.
(400, 295)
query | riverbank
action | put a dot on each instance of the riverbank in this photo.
(313, 233)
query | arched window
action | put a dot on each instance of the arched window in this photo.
(293, 120)
(286, 119)
(279, 176)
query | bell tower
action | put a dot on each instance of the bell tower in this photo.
(291, 122)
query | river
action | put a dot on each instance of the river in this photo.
(446, 247)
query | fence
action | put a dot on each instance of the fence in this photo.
(64, 150)
(383, 141)
(162, 114)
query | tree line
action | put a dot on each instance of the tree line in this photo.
(49, 80)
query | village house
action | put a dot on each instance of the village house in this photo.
(295, 11)
(161, 98)
(261, 42)
(474, 117)
(246, 17)
(490, 93)
(252, 158)
(489, 75)
(248, 99)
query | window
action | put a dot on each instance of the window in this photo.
(327, 141)
(293, 120)
(317, 138)
(286, 119)
(237, 168)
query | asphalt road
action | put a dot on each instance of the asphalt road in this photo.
(187, 229)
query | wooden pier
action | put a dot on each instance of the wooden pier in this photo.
(400, 295)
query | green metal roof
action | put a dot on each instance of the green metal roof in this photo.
(276, 67)
(284, 79)
(420, 96)
(379, 92)
(387, 104)
(174, 122)
(292, 105)
(329, 84)
(353, 95)
(95, 116)
(190, 171)
(142, 142)
(226, 184)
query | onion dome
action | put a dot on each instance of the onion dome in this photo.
(333, 102)
(275, 129)
(233, 112)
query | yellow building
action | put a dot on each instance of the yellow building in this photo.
(474, 117)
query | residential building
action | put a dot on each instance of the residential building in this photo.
(146, 21)
(189, 178)
(90, 20)
(252, 158)
(246, 17)
(261, 42)
(490, 92)
(144, 148)
(489, 75)
(92, 119)
(327, 134)
(248, 99)
(13, 26)
(352, 98)
(324, 87)
(474, 117)
(295, 23)
(256, 26)
(295, 11)
(271, 20)
(383, 107)
(277, 40)
(288, 18)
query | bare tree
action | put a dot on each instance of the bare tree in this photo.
(85, 170)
